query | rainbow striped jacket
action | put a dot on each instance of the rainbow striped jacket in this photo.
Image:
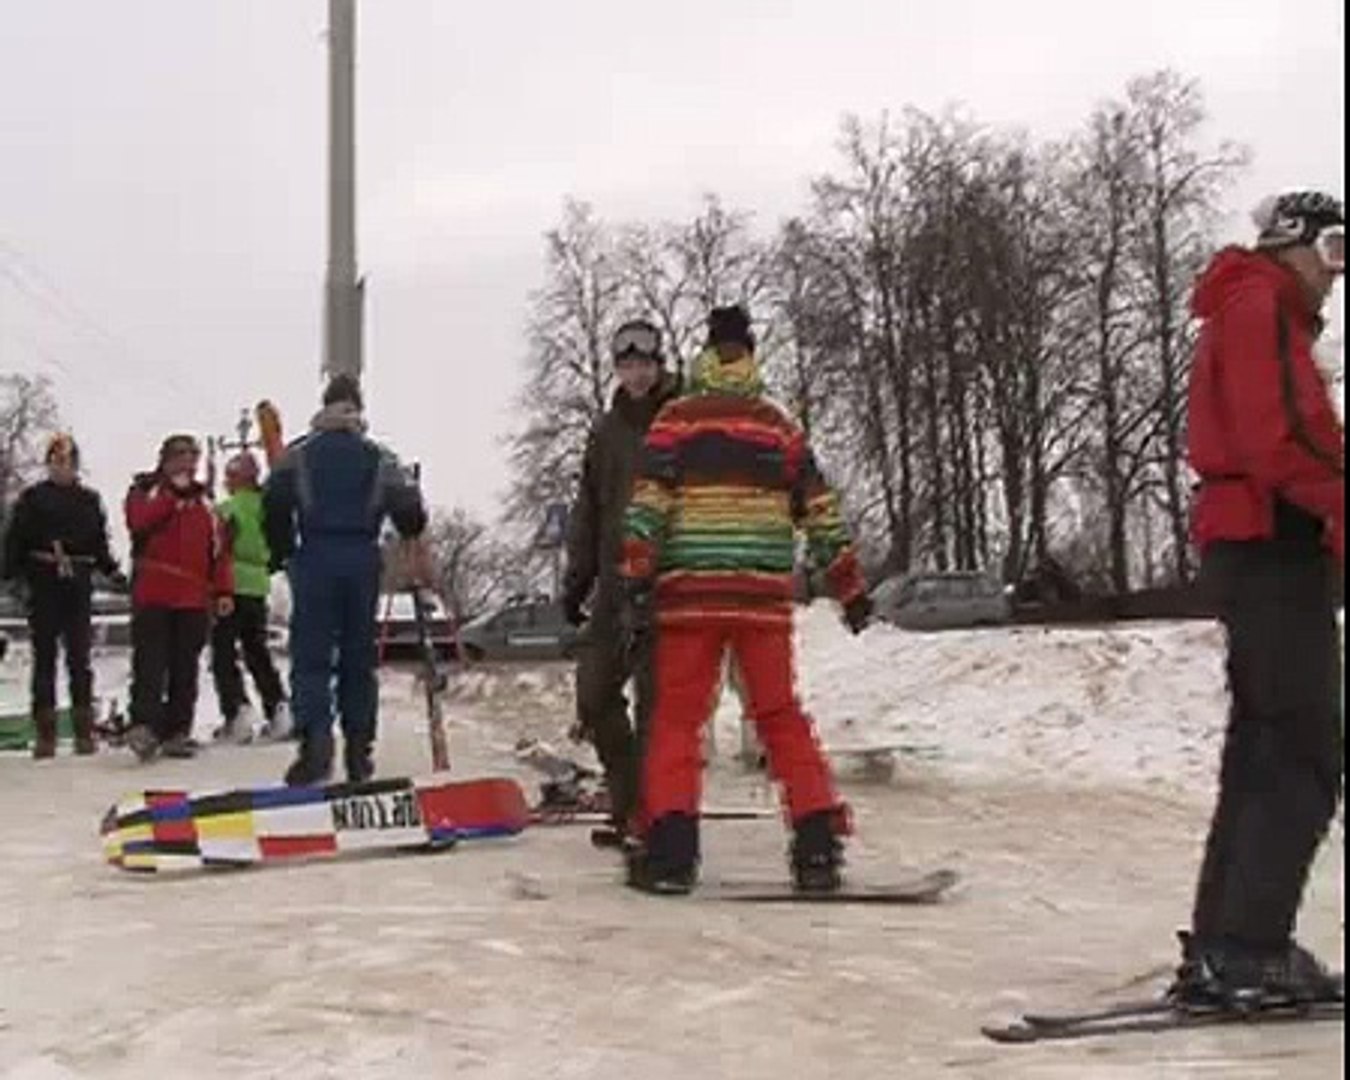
(726, 483)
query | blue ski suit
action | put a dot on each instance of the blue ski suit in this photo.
(324, 505)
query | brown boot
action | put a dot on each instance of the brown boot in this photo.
(82, 719)
(44, 733)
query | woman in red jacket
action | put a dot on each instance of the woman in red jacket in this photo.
(1270, 523)
(181, 572)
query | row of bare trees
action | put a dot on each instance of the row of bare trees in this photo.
(987, 337)
(28, 415)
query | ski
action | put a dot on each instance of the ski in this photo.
(1151, 1015)
(552, 814)
(928, 888)
(169, 830)
(435, 680)
(268, 418)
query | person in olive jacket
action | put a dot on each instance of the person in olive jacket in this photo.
(592, 591)
(245, 629)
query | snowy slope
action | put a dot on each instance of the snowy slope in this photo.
(1130, 703)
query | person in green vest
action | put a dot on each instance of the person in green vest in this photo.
(245, 630)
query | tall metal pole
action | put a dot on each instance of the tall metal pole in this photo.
(342, 289)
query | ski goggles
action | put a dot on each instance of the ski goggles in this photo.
(636, 341)
(1330, 247)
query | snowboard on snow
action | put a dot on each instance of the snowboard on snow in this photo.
(926, 888)
(1152, 1015)
(166, 830)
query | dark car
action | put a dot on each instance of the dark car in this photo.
(942, 601)
(397, 627)
(524, 628)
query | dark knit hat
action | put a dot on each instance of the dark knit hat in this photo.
(730, 326)
(343, 388)
(178, 444)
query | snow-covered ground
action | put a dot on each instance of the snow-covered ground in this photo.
(1137, 703)
(1065, 773)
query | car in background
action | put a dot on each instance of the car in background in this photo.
(524, 628)
(396, 627)
(948, 600)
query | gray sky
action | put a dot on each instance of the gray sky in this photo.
(162, 170)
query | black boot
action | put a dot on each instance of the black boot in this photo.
(313, 765)
(667, 862)
(360, 766)
(817, 854)
(44, 733)
(1230, 974)
(82, 720)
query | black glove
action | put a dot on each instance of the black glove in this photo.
(635, 617)
(858, 613)
(117, 581)
(573, 610)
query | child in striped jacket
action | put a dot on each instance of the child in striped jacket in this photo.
(727, 480)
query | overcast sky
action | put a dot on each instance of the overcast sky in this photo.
(162, 206)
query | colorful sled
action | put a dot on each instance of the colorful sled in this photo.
(168, 830)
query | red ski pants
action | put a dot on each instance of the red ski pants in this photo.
(687, 668)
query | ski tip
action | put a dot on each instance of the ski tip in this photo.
(1016, 1032)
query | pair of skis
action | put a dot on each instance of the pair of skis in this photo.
(1153, 1015)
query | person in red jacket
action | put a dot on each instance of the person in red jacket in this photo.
(181, 573)
(1269, 519)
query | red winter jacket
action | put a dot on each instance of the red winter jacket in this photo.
(179, 558)
(1261, 423)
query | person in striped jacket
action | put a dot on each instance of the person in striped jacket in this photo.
(726, 482)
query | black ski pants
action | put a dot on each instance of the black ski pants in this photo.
(244, 630)
(604, 666)
(59, 615)
(166, 649)
(1281, 774)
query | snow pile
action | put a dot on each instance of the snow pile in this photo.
(543, 687)
(1132, 702)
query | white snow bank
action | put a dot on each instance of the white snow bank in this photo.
(1132, 702)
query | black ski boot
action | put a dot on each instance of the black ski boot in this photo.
(667, 862)
(817, 853)
(313, 765)
(180, 746)
(1229, 974)
(357, 758)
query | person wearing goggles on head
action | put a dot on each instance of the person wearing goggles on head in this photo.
(181, 574)
(1269, 519)
(57, 537)
(591, 592)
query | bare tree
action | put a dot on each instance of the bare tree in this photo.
(28, 413)
(569, 374)
(1181, 186)
(474, 569)
(988, 337)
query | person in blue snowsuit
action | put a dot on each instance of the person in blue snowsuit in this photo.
(324, 505)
